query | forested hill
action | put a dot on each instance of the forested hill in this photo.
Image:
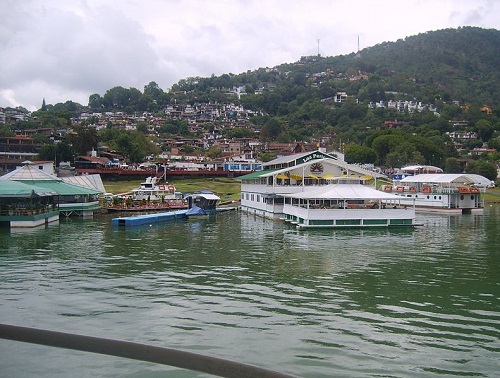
(390, 104)
(436, 67)
(462, 64)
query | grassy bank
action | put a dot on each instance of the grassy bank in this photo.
(492, 195)
(227, 189)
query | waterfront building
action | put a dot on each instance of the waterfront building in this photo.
(69, 198)
(315, 189)
(23, 205)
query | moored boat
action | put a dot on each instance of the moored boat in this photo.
(202, 202)
(441, 192)
(151, 190)
(149, 197)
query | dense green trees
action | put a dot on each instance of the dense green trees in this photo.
(397, 148)
(6, 131)
(240, 133)
(62, 151)
(174, 127)
(452, 165)
(214, 152)
(134, 145)
(485, 130)
(130, 100)
(84, 139)
(482, 168)
(270, 130)
(360, 154)
(55, 116)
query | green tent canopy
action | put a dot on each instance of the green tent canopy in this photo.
(16, 189)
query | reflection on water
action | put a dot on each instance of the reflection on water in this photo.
(316, 303)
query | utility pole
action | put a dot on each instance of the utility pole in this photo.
(318, 45)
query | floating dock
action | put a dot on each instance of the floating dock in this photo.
(155, 218)
(138, 220)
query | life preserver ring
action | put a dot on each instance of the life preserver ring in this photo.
(463, 190)
(475, 190)
(400, 189)
(161, 187)
(387, 188)
(426, 189)
(171, 188)
(412, 189)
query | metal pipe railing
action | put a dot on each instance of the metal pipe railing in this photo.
(142, 352)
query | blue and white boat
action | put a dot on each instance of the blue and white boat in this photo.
(201, 203)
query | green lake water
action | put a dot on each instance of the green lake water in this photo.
(314, 303)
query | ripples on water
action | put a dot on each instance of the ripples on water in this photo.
(316, 303)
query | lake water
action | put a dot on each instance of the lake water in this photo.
(314, 303)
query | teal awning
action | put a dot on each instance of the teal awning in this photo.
(17, 189)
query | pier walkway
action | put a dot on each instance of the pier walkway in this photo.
(137, 220)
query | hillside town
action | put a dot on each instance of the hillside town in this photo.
(189, 153)
(238, 154)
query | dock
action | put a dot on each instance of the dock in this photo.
(155, 218)
(138, 220)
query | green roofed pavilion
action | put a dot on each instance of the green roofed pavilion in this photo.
(15, 189)
(70, 198)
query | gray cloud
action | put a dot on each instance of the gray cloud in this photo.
(69, 49)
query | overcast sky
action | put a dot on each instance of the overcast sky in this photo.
(69, 49)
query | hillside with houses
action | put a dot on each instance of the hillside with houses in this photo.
(368, 106)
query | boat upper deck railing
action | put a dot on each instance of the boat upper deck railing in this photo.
(142, 352)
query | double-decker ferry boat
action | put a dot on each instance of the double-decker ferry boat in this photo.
(441, 192)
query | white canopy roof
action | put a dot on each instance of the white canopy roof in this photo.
(209, 196)
(481, 181)
(29, 173)
(344, 191)
(421, 168)
(87, 181)
(448, 178)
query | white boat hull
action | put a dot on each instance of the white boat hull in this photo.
(445, 201)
